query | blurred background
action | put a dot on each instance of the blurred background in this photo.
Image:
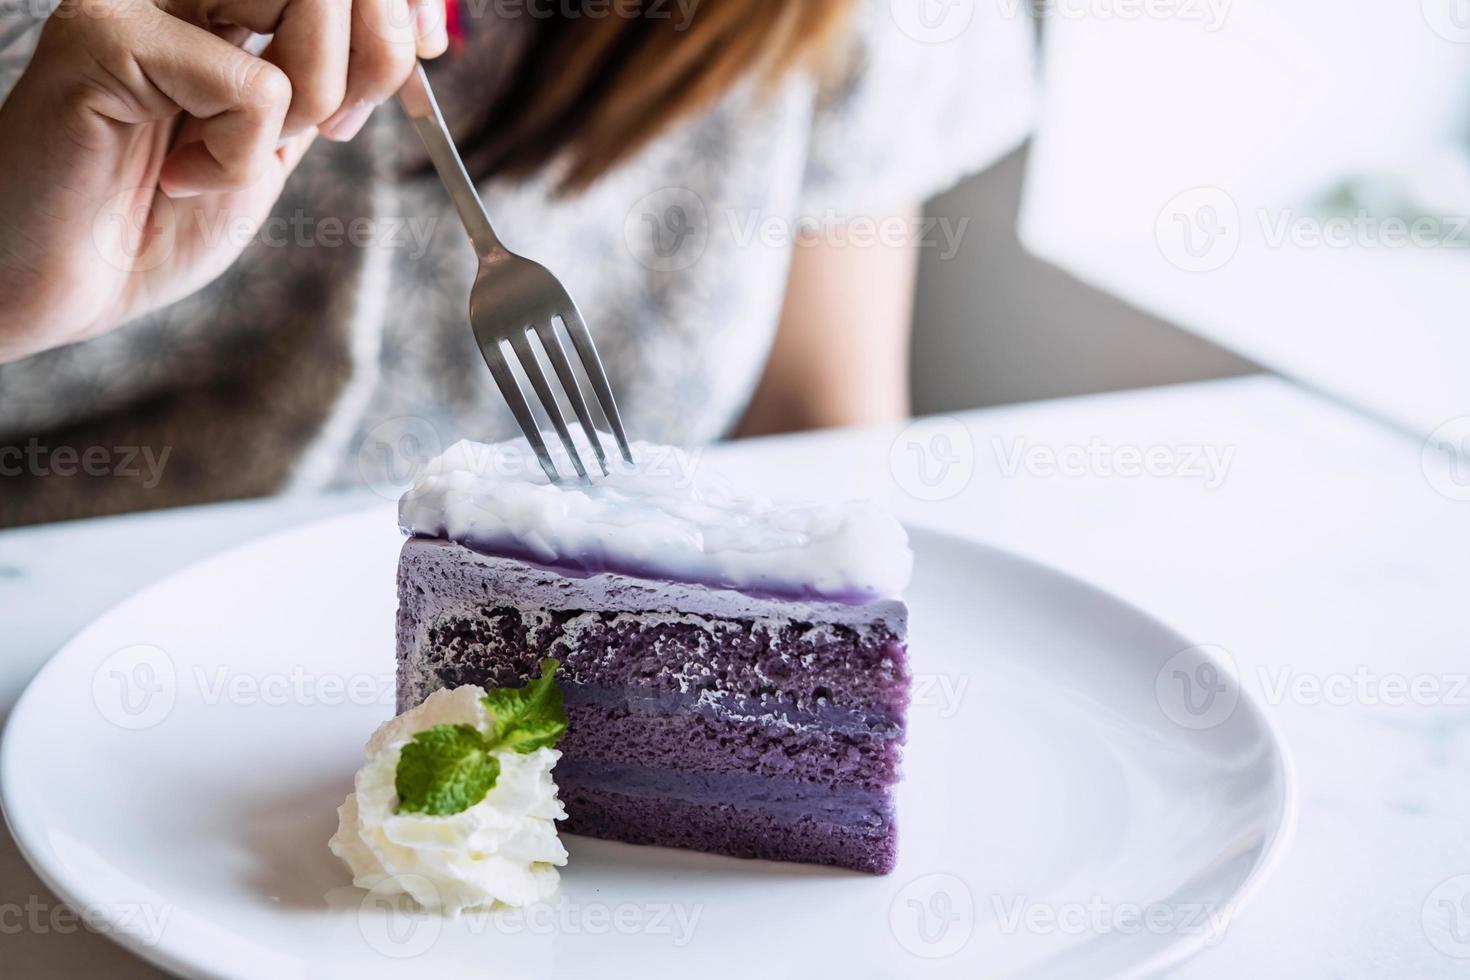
(1177, 190)
(1214, 188)
(1044, 332)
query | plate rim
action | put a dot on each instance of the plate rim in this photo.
(1283, 830)
(1172, 953)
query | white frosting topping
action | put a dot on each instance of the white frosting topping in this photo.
(668, 516)
(502, 849)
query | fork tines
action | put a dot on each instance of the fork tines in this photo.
(522, 350)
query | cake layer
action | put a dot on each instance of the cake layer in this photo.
(466, 612)
(667, 518)
(723, 829)
(721, 705)
(448, 575)
(796, 667)
(704, 718)
(707, 745)
(711, 730)
(779, 800)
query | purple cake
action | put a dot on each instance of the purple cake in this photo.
(735, 671)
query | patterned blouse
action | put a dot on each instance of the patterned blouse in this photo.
(335, 352)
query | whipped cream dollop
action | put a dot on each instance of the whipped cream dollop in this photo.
(503, 849)
(667, 516)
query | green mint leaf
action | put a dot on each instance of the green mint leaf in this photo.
(445, 769)
(531, 717)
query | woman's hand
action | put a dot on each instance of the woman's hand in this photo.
(143, 147)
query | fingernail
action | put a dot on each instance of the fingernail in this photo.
(346, 121)
(176, 193)
(428, 20)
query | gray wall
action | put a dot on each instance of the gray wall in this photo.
(993, 325)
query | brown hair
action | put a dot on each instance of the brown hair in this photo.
(589, 92)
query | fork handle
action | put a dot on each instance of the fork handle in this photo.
(417, 99)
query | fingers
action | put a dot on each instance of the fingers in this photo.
(288, 153)
(343, 57)
(166, 66)
(382, 55)
(329, 62)
(430, 27)
(310, 42)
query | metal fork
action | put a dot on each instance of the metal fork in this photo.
(514, 297)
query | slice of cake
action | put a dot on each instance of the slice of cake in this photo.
(735, 671)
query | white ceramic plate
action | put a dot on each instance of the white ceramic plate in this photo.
(1086, 795)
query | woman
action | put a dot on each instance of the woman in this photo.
(223, 274)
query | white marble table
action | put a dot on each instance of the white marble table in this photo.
(1308, 541)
